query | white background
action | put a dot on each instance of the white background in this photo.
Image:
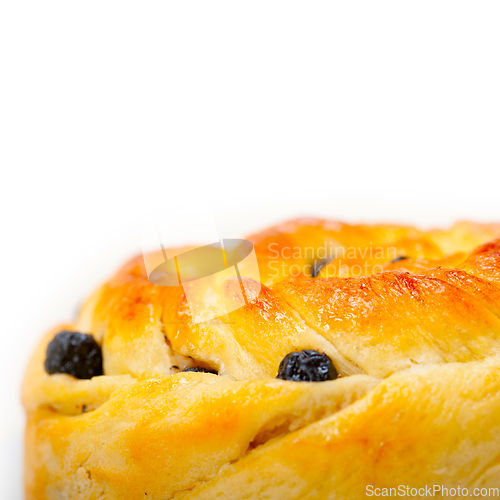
(110, 110)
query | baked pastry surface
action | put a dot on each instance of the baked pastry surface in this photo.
(415, 338)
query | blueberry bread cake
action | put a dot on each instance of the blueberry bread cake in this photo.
(370, 358)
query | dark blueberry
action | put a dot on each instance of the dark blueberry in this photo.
(317, 266)
(201, 370)
(397, 259)
(75, 353)
(307, 366)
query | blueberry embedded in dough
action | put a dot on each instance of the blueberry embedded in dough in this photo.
(74, 353)
(317, 266)
(397, 259)
(199, 369)
(307, 366)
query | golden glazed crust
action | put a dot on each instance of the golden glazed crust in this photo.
(416, 342)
